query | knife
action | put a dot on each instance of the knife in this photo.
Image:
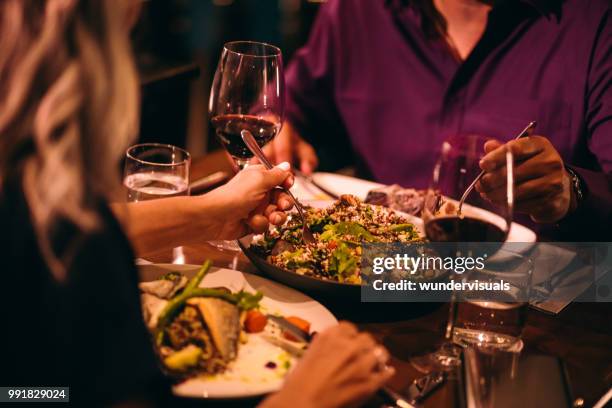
(419, 389)
(291, 328)
(311, 180)
(423, 386)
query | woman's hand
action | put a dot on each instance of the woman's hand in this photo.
(341, 368)
(542, 185)
(249, 202)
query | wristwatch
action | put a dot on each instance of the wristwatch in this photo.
(576, 185)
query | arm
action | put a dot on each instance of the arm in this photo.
(166, 222)
(245, 204)
(544, 188)
(594, 213)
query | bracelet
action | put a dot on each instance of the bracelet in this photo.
(576, 185)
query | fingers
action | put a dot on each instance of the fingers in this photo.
(541, 198)
(527, 170)
(306, 157)
(258, 223)
(541, 182)
(289, 146)
(275, 217)
(539, 187)
(282, 200)
(347, 329)
(491, 145)
(282, 144)
(522, 149)
(375, 359)
(276, 176)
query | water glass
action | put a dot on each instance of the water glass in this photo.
(154, 170)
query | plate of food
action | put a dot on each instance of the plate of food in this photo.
(331, 265)
(215, 330)
(412, 201)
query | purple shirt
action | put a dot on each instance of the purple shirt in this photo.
(369, 72)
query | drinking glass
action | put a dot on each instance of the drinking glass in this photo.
(248, 93)
(463, 235)
(154, 170)
(495, 320)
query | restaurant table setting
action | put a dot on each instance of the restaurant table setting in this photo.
(446, 354)
(401, 333)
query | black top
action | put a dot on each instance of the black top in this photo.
(86, 332)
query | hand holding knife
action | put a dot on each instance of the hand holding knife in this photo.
(419, 389)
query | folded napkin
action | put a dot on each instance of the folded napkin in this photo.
(561, 275)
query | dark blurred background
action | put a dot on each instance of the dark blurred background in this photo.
(177, 45)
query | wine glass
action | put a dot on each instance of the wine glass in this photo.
(154, 170)
(248, 93)
(481, 228)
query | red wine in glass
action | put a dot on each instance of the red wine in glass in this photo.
(228, 128)
(247, 93)
(455, 228)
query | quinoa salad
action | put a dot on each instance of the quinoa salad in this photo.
(339, 231)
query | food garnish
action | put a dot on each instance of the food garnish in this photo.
(255, 321)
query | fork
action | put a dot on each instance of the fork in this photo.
(526, 132)
(251, 143)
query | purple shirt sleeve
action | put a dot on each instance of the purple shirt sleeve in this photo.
(595, 212)
(311, 104)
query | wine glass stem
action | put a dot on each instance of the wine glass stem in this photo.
(450, 323)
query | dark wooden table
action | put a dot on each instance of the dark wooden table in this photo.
(581, 334)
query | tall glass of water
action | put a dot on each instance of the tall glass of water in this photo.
(154, 170)
(495, 319)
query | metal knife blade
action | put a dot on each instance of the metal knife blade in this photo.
(311, 180)
(423, 386)
(291, 328)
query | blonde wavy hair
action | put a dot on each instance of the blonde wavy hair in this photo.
(68, 108)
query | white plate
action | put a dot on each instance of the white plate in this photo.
(247, 376)
(523, 237)
(340, 184)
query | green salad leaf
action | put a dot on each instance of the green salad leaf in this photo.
(342, 262)
(320, 223)
(401, 227)
(338, 230)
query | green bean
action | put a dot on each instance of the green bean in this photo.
(195, 281)
(243, 300)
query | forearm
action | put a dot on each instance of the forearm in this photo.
(166, 222)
